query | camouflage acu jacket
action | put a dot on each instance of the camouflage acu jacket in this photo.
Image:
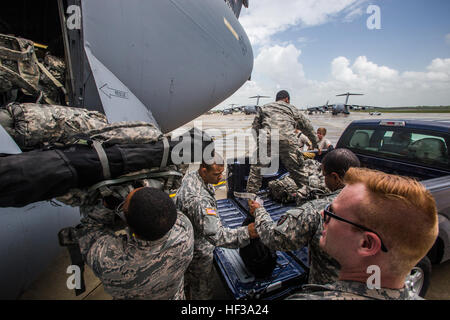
(196, 200)
(297, 228)
(130, 268)
(350, 290)
(286, 118)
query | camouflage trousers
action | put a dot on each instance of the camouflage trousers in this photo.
(198, 277)
(290, 155)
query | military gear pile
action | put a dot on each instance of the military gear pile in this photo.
(102, 154)
(18, 65)
(21, 70)
(35, 125)
(285, 189)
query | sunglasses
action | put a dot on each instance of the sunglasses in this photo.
(328, 214)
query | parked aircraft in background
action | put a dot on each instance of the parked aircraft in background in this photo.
(343, 108)
(312, 110)
(258, 97)
(250, 109)
(227, 111)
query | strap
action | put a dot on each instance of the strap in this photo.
(103, 159)
(139, 176)
(166, 154)
(51, 77)
(68, 238)
(6, 53)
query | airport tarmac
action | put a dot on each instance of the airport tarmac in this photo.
(228, 132)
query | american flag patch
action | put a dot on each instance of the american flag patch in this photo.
(211, 212)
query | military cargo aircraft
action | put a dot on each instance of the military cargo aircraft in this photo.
(131, 60)
(227, 111)
(343, 108)
(257, 97)
(321, 109)
(252, 109)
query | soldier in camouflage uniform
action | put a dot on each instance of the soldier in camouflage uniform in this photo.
(378, 221)
(195, 199)
(304, 225)
(150, 262)
(350, 290)
(287, 119)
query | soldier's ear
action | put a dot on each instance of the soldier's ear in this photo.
(370, 244)
(202, 171)
(335, 177)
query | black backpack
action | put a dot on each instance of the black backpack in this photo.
(259, 259)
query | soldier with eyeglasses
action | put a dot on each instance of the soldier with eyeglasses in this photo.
(378, 220)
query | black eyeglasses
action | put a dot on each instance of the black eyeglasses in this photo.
(329, 214)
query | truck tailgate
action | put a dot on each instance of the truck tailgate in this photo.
(288, 275)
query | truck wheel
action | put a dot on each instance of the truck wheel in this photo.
(418, 280)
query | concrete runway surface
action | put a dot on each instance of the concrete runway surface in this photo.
(229, 131)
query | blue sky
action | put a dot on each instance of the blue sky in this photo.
(320, 48)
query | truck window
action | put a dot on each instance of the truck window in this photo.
(401, 143)
(361, 139)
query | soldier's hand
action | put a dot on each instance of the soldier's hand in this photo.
(252, 206)
(252, 231)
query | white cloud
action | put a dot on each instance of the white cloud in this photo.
(264, 18)
(354, 11)
(341, 71)
(279, 67)
(368, 69)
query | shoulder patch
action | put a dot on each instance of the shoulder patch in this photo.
(211, 212)
(281, 220)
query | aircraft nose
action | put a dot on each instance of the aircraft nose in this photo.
(180, 58)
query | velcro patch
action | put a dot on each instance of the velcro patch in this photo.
(211, 212)
(282, 220)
